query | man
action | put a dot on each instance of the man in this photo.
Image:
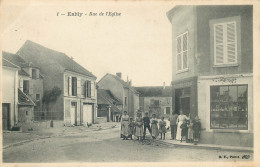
(146, 121)
(173, 124)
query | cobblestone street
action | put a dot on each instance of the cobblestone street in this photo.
(106, 146)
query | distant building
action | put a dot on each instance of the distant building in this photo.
(155, 99)
(30, 91)
(121, 90)
(76, 101)
(109, 107)
(9, 94)
(212, 74)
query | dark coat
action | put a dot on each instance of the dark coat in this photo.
(184, 129)
(196, 129)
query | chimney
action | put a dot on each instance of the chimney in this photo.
(119, 74)
(130, 83)
(163, 85)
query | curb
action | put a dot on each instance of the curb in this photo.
(215, 147)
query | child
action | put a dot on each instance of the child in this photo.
(196, 129)
(184, 130)
(190, 131)
(131, 128)
(146, 121)
(162, 128)
(154, 126)
(139, 126)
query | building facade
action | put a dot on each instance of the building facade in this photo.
(73, 86)
(156, 99)
(212, 74)
(121, 90)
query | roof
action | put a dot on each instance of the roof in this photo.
(108, 95)
(23, 99)
(31, 50)
(154, 91)
(123, 83)
(8, 64)
(17, 60)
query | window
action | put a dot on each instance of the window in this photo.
(37, 97)
(83, 88)
(228, 108)
(225, 39)
(74, 86)
(182, 51)
(26, 86)
(34, 74)
(125, 101)
(26, 112)
(88, 89)
(168, 110)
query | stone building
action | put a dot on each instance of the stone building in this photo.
(212, 74)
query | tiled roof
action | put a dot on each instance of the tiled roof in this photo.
(8, 64)
(17, 60)
(154, 91)
(23, 99)
(31, 49)
(22, 72)
(108, 95)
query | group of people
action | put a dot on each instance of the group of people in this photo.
(185, 128)
(182, 127)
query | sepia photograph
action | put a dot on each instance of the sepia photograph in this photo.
(129, 81)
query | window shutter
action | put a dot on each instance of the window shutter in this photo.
(179, 50)
(89, 88)
(185, 51)
(30, 88)
(231, 43)
(70, 85)
(78, 87)
(219, 44)
(92, 89)
(66, 85)
(21, 84)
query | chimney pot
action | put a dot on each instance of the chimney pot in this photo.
(119, 74)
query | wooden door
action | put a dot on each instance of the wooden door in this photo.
(6, 116)
(87, 113)
(73, 112)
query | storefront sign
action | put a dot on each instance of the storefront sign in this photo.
(183, 85)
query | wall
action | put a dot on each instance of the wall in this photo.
(184, 20)
(10, 91)
(205, 57)
(23, 118)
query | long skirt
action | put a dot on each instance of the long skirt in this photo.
(178, 135)
(139, 131)
(125, 130)
(190, 133)
(155, 131)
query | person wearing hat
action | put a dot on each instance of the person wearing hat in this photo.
(131, 128)
(196, 130)
(154, 126)
(173, 124)
(146, 121)
(139, 126)
(125, 125)
(162, 128)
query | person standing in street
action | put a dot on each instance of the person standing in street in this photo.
(173, 124)
(196, 129)
(162, 128)
(125, 125)
(154, 126)
(146, 121)
(179, 121)
(139, 126)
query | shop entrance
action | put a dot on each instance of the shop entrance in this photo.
(182, 100)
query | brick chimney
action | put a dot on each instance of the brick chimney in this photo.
(119, 74)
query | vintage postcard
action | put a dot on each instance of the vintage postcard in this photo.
(90, 83)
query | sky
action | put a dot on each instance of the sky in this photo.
(137, 43)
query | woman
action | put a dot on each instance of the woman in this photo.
(179, 122)
(124, 125)
(139, 126)
(162, 128)
(154, 126)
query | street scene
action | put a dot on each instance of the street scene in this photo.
(106, 105)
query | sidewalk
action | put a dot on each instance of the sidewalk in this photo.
(13, 138)
(175, 143)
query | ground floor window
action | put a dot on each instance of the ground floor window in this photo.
(228, 107)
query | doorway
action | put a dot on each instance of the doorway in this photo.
(6, 116)
(73, 113)
(182, 100)
(88, 114)
(185, 105)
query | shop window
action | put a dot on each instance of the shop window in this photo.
(74, 86)
(228, 108)
(182, 51)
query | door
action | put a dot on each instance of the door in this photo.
(73, 112)
(6, 116)
(87, 114)
(185, 105)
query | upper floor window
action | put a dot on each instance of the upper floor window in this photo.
(74, 86)
(34, 74)
(225, 42)
(26, 86)
(182, 51)
(125, 101)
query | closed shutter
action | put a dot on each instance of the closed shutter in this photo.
(30, 87)
(89, 88)
(185, 50)
(92, 89)
(78, 87)
(66, 85)
(219, 44)
(179, 52)
(21, 84)
(70, 85)
(231, 43)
